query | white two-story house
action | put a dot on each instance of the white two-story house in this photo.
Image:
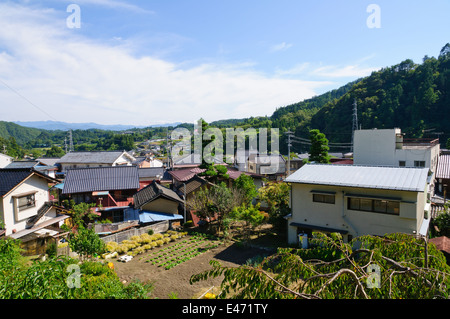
(25, 205)
(357, 200)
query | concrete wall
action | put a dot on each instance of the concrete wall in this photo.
(355, 222)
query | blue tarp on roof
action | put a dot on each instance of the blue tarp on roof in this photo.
(148, 216)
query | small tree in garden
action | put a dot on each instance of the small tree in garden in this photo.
(215, 202)
(391, 267)
(86, 242)
(245, 184)
(276, 196)
(250, 215)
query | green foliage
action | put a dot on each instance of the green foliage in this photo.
(86, 242)
(55, 151)
(332, 269)
(81, 213)
(245, 184)
(276, 196)
(319, 147)
(441, 224)
(50, 279)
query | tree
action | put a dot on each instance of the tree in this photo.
(86, 242)
(441, 224)
(319, 147)
(55, 151)
(215, 202)
(276, 196)
(245, 184)
(251, 215)
(391, 267)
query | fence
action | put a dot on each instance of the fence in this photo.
(127, 234)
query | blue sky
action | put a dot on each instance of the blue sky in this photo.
(158, 61)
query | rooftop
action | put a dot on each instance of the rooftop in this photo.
(93, 179)
(443, 167)
(92, 157)
(380, 177)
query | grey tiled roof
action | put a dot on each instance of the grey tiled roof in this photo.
(152, 192)
(11, 177)
(83, 180)
(382, 177)
(91, 157)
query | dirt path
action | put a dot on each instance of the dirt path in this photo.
(176, 279)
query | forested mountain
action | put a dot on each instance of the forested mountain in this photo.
(410, 96)
(413, 97)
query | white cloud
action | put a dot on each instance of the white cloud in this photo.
(331, 72)
(74, 79)
(283, 46)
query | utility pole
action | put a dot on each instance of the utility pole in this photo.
(70, 141)
(289, 135)
(355, 121)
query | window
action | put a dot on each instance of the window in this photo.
(419, 163)
(401, 163)
(27, 201)
(374, 205)
(323, 198)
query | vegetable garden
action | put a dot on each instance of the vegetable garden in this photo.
(168, 256)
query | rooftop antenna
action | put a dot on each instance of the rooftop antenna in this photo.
(355, 121)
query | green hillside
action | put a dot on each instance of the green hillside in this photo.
(413, 97)
(19, 133)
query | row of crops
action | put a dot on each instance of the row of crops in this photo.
(181, 249)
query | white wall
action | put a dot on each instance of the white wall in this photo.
(374, 147)
(357, 223)
(5, 160)
(17, 220)
(379, 147)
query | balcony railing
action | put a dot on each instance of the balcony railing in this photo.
(420, 142)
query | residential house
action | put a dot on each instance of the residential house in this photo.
(155, 203)
(26, 210)
(388, 147)
(271, 166)
(149, 174)
(5, 160)
(443, 176)
(95, 159)
(147, 161)
(112, 186)
(36, 165)
(357, 200)
(241, 158)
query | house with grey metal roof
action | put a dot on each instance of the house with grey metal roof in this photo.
(106, 186)
(357, 200)
(95, 159)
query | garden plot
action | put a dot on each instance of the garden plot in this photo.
(182, 251)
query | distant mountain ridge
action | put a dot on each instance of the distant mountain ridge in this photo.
(64, 126)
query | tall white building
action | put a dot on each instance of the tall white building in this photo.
(388, 147)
